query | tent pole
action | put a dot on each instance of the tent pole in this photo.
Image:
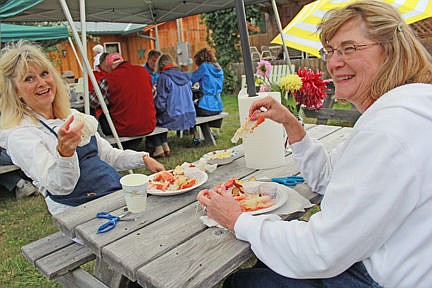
(244, 40)
(88, 68)
(156, 28)
(157, 37)
(84, 43)
(179, 27)
(279, 25)
(75, 53)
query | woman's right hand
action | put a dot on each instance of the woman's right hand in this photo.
(69, 138)
(277, 112)
(273, 110)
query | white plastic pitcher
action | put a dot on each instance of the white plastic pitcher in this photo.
(264, 148)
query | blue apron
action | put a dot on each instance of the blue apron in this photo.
(97, 178)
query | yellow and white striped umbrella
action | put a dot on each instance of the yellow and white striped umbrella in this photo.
(301, 33)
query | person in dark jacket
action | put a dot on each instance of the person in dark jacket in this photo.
(173, 102)
(211, 78)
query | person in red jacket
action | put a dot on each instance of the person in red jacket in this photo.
(101, 70)
(127, 91)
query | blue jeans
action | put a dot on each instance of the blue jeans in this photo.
(8, 180)
(157, 140)
(261, 276)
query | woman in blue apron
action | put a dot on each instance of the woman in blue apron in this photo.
(34, 105)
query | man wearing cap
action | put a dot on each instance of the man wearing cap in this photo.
(127, 91)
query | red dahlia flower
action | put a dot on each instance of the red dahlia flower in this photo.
(313, 91)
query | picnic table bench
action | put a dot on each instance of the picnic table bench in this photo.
(58, 257)
(327, 112)
(203, 122)
(167, 245)
(8, 168)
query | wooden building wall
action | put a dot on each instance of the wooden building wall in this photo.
(132, 47)
(135, 48)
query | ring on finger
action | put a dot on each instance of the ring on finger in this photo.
(205, 209)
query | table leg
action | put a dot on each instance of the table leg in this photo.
(208, 136)
(109, 276)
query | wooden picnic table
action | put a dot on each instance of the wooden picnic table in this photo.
(168, 246)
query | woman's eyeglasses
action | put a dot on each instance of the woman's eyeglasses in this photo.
(344, 51)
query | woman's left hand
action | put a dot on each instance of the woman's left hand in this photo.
(221, 208)
(69, 138)
(153, 164)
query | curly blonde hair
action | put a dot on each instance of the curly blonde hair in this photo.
(407, 59)
(15, 62)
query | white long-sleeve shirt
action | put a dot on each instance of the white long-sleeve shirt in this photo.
(377, 204)
(32, 147)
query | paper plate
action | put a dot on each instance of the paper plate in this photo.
(199, 175)
(221, 157)
(281, 198)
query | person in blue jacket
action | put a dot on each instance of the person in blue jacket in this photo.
(211, 78)
(173, 102)
(150, 65)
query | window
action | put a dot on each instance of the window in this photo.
(111, 47)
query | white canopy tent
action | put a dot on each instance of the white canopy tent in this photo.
(131, 11)
(127, 11)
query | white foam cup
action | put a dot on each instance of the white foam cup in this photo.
(269, 188)
(135, 191)
(251, 187)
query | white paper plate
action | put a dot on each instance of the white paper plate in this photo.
(199, 175)
(212, 157)
(281, 198)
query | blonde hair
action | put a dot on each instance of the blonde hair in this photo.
(407, 60)
(164, 60)
(15, 62)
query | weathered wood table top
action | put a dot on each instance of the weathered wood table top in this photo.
(168, 246)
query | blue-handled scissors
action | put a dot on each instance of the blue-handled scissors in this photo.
(287, 181)
(108, 226)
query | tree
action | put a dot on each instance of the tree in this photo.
(223, 36)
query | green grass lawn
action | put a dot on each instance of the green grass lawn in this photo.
(25, 220)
